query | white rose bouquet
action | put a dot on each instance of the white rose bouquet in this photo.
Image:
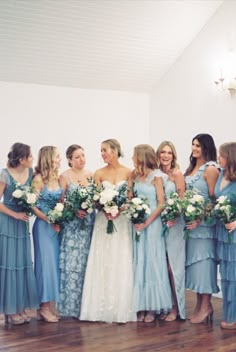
(172, 210)
(137, 210)
(193, 208)
(225, 211)
(111, 200)
(56, 215)
(25, 197)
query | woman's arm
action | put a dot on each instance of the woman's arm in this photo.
(37, 185)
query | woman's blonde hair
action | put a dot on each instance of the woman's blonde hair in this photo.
(114, 145)
(174, 164)
(228, 151)
(144, 159)
(45, 166)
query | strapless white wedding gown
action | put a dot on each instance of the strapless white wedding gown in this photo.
(108, 286)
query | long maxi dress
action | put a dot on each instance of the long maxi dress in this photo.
(175, 249)
(46, 249)
(74, 250)
(108, 285)
(201, 260)
(226, 252)
(151, 281)
(17, 282)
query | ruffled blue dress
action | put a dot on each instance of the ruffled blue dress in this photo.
(151, 282)
(17, 282)
(175, 243)
(46, 249)
(74, 250)
(201, 263)
(226, 252)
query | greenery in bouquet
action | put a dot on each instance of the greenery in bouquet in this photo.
(137, 210)
(225, 210)
(172, 210)
(193, 208)
(111, 200)
(25, 197)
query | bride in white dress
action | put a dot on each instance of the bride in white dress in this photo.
(108, 286)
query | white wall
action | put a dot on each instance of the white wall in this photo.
(40, 115)
(186, 101)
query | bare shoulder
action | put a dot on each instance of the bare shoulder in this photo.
(64, 174)
(38, 181)
(177, 174)
(211, 170)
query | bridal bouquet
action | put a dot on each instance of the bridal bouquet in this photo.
(172, 210)
(137, 210)
(193, 208)
(81, 198)
(56, 215)
(111, 200)
(225, 211)
(25, 198)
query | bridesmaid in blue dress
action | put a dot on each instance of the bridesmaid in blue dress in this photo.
(226, 251)
(75, 239)
(45, 234)
(152, 292)
(201, 263)
(17, 282)
(174, 238)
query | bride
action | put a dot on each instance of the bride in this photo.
(108, 286)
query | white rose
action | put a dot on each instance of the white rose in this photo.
(136, 201)
(197, 198)
(17, 193)
(135, 215)
(221, 199)
(170, 201)
(84, 205)
(95, 197)
(31, 198)
(59, 207)
(139, 207)
(190, 209)
(148, 211)
(89, 210)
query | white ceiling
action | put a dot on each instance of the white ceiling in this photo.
(99, 44)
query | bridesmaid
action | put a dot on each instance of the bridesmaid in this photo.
(201, 264)
(46, 243)
(17, 283)
(152, 293)
(167, 162)
(226, 186)
(75, 240)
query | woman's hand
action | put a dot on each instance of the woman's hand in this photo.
(110, 217)
(140, 227)
(231, 226)
(21, 216)
(56, 227)
(81, 214)
(192, 225)
(171, 223)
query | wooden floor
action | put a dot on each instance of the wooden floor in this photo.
(71, 335)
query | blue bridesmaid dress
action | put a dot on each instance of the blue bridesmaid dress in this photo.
(17, 282)
(46, 249)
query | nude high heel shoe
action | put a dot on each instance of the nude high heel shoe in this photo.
(14, 320)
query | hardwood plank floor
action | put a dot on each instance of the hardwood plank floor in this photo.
(70, 335)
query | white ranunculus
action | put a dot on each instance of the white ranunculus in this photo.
(17, 193)
(190, 209)
(59, 207)
(31, 198)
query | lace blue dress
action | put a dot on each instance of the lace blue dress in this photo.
(175, 249)
(201, 263)
(226, 252)
(151, 282)
(17, 282)
(74, 250)
(46, 249)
